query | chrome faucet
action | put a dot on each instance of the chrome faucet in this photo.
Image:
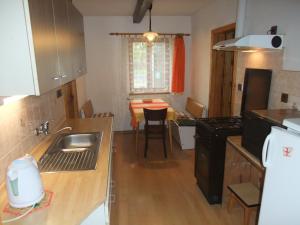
(64, 128)
(42, 129)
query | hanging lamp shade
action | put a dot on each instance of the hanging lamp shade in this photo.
(150, 35)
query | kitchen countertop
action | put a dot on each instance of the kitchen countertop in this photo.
(278, 115)
(76, 194)
(236, 142)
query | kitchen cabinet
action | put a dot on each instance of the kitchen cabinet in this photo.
(37, 51)
(77, 39)
(101, 215)
(63, 39)
(240, 167)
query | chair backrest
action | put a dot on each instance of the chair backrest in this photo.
(155, 114)
(194, 108)
(87, 109)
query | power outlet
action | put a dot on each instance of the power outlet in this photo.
(284, 97)
(240, 87)
(58, 93)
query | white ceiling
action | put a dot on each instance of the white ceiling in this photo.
(126, 7)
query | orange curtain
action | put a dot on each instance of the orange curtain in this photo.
(178, 65)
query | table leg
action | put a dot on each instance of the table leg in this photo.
(170, 135)
(137, 136)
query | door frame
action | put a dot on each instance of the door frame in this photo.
(74, 107)
(212, 54)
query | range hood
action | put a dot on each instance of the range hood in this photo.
(251, 42)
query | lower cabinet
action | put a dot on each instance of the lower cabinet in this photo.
(240, 169)
(97, 217)
(101, 215)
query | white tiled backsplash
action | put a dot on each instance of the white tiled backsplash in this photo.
(282, 81)
(18, 121)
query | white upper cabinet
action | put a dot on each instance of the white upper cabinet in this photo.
(36, 46)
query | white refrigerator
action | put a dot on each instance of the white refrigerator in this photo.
(280, 204)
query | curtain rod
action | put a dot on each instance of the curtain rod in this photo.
(161, 34)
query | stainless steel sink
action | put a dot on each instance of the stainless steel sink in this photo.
(70, 152)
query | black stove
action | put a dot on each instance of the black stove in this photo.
(211, 135)
(219, 123)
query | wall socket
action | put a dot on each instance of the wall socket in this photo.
(284, 97)
(58, 93)
(240, 87)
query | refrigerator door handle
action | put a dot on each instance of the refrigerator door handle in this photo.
(265, 160)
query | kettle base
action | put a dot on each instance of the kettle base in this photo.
(27, 204)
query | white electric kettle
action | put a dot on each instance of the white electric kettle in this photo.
(23, 183)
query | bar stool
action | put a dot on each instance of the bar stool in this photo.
(248, 197)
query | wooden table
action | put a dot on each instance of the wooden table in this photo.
(137, 115)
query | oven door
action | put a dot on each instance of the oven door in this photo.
(202, 165)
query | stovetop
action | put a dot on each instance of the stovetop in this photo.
(220, 123)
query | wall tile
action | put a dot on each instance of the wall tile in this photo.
(282, 81)
(18, 121)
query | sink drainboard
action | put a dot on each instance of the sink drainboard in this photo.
(62, 161)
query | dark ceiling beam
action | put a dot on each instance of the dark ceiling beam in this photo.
(140, 10)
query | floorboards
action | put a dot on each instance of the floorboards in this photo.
(158, 191)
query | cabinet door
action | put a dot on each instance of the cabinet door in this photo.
(15, 57)
(78, 45)
(63, 39)
(43, 34)
(82, 45)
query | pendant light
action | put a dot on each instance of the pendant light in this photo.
(150, 35)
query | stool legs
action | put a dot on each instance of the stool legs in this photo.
(247, 215)
(247, 211)
(231, 202)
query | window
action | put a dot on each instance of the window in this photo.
(149, 66)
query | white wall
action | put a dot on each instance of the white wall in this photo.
(106, 80)
(262, 14)
(215, 14)
(81, 91)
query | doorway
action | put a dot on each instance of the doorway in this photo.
(70, 98)
(222, 69)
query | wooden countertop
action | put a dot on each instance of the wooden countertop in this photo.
(76, 194)
(236, 141)
(278, 115)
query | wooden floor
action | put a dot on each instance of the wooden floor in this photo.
(158, 191)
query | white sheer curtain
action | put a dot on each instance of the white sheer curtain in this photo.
(149, 65)
(121, 85)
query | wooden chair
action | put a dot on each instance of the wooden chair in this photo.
(87, 111)
(155, 127)
(247, 195)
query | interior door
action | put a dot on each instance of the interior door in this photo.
(70, 99)
(227, 78)
(221, 81)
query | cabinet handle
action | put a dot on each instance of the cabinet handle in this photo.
(112, 198)
(112, 184)
(56, 78)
